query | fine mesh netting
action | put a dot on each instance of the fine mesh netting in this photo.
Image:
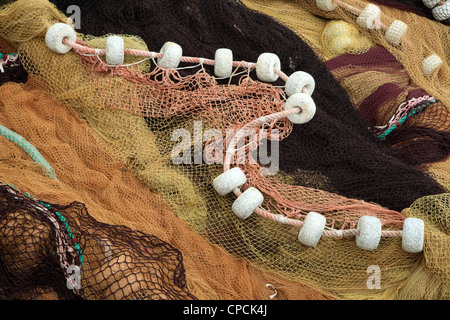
(332, 164)
(423, 38)
(321, 147)
(400, 112)
(377, 83)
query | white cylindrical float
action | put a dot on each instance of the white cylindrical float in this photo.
(229, 180)
(223, 63)
(430, 3)
(312, 229)
(369, 18)
(247, 202)
(55, 35)
(395, 32)
(265, 67)
(299, 80)
(114, 51)
(369, 233)
(442, 12)
(326, 5)
(431, 64)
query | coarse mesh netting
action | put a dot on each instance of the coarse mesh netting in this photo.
(41, 241)
(333, 164)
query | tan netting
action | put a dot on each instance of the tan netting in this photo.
(335, 266)
(43, 244)
(324, 36)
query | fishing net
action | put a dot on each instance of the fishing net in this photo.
(331, 164)
(395, 107)
(416, 6)
(86, 172)
(400, 113)
(42, 242)
(210, 29)
(423, 38)
(11, 68)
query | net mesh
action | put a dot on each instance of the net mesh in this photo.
(423, 38)
(402, 114)
(89, 173)
(416, 6)
(136, 114)
(41, 241)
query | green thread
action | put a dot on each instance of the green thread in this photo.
(403, 119)
(60, 217)
(69, 232)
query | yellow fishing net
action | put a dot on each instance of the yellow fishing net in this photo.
(423, 38)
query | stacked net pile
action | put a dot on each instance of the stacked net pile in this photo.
(131, 111)
(43, 243)
(88, 173)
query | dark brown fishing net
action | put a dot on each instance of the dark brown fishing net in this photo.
(42, 244)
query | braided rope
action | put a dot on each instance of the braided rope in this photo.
(404, 111)
(30, 150)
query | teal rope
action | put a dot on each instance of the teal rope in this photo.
(66, 225)
(30, 150)
(403, 119)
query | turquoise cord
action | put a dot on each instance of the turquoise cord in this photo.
(30, 150)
